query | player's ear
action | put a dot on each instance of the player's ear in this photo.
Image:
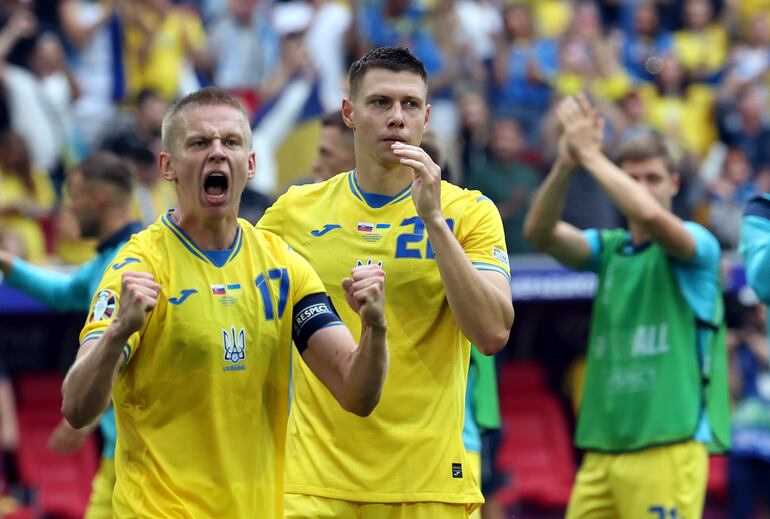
(166, 169)
(347, 113)
(427, 116)
(252, 165)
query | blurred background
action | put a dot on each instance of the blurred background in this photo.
(83, 75)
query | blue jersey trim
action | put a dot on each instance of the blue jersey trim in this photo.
(489, 266)
(374, 200)
(197, 251)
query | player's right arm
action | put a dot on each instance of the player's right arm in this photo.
(354, 373)
(88, 385)
(543, 226)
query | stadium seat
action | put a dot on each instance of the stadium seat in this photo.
(521, 377)
(717, 485)
(536, 451)
(62, 483)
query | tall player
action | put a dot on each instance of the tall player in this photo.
(190, 332)
(656, 381)
(448, 281)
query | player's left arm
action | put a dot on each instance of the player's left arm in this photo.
(480, 300)
(353, 373)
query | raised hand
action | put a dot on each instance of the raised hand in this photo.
(365, 293)
(583, 126)
(426, 186)
(138, 296)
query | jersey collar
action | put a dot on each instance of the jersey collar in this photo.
(194, 249)
(375, 201)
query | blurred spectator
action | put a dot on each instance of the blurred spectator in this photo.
(480, 24)
(165, 44)
(702, 45)
(94, 34)
(587, 60)
(244, 50)
(749, 58)
(642, 48)
(681, 112)
(26, 196)
(327, 40)
(749, 464)
(508, 181)
(48, 62)
(140, 128)
(728, 195)
(475, 132)
(744, 124)
(523, 67)
(26, 101)
(335, 148)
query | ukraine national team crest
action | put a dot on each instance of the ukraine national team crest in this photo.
(371, 231)
(104, 308)
(234, 344)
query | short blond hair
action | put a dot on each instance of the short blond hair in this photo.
(206, 97)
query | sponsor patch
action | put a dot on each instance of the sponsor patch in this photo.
(105, 306)
(500, 255)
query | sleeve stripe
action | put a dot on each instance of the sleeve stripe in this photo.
(92, 335)
(126, 355)
(493, 268)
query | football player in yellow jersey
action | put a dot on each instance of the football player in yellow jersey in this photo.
(448, 281)
(190, 332)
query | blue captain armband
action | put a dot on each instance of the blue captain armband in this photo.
(311, 314)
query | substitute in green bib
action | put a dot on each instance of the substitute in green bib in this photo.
(655, 400)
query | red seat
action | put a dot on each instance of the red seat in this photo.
(39, 389)
(521, 377)
(536, 450)
(63, 483)
(717, 485)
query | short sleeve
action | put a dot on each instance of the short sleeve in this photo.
(594, 240)
(105, 304)
(707, 250)
(481, 236)
(304, 279)
(272, 220)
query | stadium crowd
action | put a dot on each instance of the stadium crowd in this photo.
(78, 76)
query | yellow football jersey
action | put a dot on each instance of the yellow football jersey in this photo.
(410, 448)
(202, 399)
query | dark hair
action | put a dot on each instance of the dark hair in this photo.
(106, 167)
(147, 94)
(396, 59)
(209, 96)
(648, 146)
(335, 120)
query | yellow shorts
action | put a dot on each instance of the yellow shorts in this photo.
(299, 506)
(474, 458)
(100, 502)
(656, 483)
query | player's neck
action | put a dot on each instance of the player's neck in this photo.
(638, 234)
(380, 180)
(113, 220)
(207, 233)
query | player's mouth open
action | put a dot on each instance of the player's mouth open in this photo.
(215, 185)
